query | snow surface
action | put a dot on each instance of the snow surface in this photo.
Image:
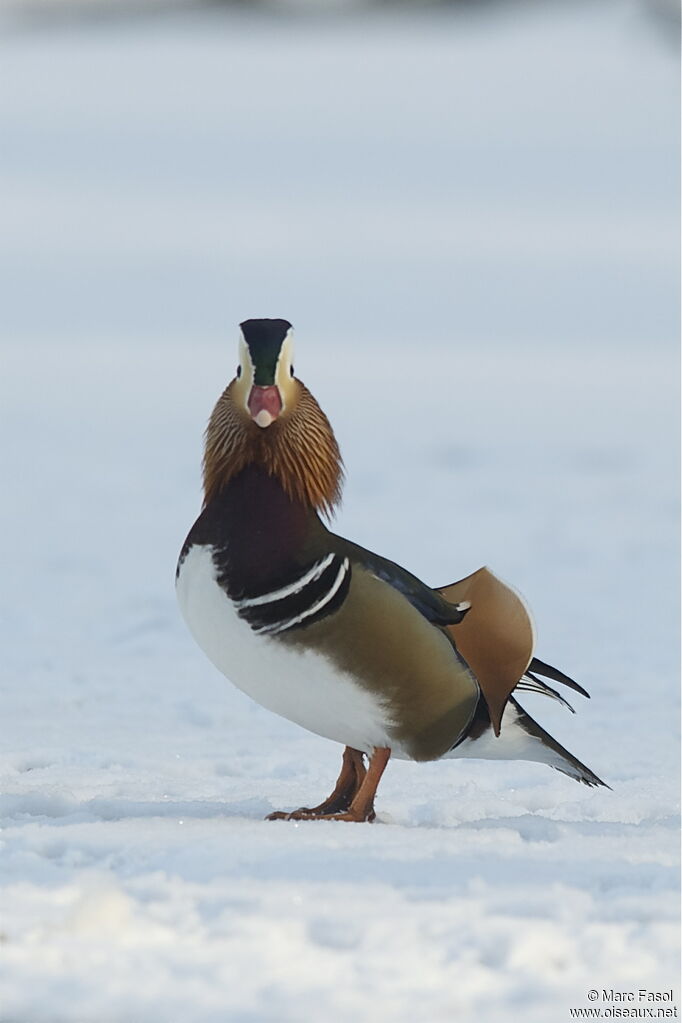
(470, 221)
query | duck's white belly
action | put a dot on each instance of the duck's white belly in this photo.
(303, 686)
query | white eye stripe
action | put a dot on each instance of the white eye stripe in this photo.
(272, 630)
(288, 591)
(245, 364)
(285, 359)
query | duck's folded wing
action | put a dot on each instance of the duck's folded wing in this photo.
(488, 622)
(496, 638)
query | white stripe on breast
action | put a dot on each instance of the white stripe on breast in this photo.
(272, 630)
(287, 591)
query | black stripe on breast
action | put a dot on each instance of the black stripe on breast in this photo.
(308, 598)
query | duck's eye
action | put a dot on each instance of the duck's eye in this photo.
(291, 371)
(239, 372)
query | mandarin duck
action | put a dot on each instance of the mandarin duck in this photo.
(332, 636)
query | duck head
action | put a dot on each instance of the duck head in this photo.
(266, 416)
(265, 384)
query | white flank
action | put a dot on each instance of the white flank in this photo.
(310, 611)
(287, 591)
(303, 686)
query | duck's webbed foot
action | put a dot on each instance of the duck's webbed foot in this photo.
(353, 795)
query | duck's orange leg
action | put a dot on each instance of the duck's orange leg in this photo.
(353, 796)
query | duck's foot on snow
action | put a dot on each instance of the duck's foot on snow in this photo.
(353, 795)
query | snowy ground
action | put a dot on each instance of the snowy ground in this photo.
(470, 222)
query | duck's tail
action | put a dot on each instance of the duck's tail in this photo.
(520, 738)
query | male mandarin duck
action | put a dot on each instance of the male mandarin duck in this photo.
(331, 636)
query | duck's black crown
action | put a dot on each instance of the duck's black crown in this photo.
(264, 339)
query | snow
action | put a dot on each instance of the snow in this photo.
(469, 218)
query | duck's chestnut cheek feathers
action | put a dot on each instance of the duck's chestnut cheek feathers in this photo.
(264, 404)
